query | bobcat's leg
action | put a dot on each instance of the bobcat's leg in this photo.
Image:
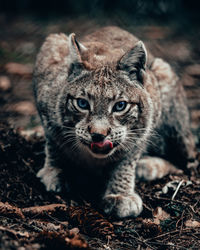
(150, 168)
(120, 198)
(49, 174)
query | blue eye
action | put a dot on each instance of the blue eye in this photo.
(119, 106)
(83, 104)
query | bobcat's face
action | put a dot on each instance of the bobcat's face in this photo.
(106, 109)
(104, 113)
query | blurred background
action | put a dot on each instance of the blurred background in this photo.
(169, 28)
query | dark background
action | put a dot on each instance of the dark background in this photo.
(159, 10)
(154, 7)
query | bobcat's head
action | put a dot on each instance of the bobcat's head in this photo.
(106, 110)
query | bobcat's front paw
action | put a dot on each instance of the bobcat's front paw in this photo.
(49, 177)
(122, 206)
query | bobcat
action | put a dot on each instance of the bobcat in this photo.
(111, 112)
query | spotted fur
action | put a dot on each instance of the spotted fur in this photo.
(109, 66)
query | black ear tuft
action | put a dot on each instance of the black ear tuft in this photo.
(134, 61)
(75, 61)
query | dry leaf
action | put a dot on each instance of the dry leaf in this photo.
(52, 227)
(74, 230)
(192, 223)
(151, 228)
(170, 185)
(159, 215)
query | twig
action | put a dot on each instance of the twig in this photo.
(43, 210)
(168, 245)
(10, 211)
(15, 233)
(148, 208)
(56, 220)
(142, 242)
(181, 228)
(171, 232)
(170, 200)
(176, 191)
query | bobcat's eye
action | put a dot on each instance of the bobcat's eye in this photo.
(119, 106)
(83, 104)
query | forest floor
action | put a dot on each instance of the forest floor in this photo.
(32, 218)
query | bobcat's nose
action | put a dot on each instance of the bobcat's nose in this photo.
(98, 134)
(97, 137)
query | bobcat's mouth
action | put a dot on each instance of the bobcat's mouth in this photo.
(103, 147)
(100, 150)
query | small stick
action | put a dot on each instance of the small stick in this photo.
(41, 210)
(15, 233)
(165, 234)
(176, 191)
(9, 210)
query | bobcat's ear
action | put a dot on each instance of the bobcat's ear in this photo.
(134, 61)
(75, 61)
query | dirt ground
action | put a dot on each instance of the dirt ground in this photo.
(30, 217)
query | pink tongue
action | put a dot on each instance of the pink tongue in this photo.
(103, 144)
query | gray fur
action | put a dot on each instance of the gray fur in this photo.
(109, 66)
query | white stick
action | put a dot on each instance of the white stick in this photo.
(176, 191)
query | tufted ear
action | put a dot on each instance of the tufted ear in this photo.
(134, 61)
(75, 61)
